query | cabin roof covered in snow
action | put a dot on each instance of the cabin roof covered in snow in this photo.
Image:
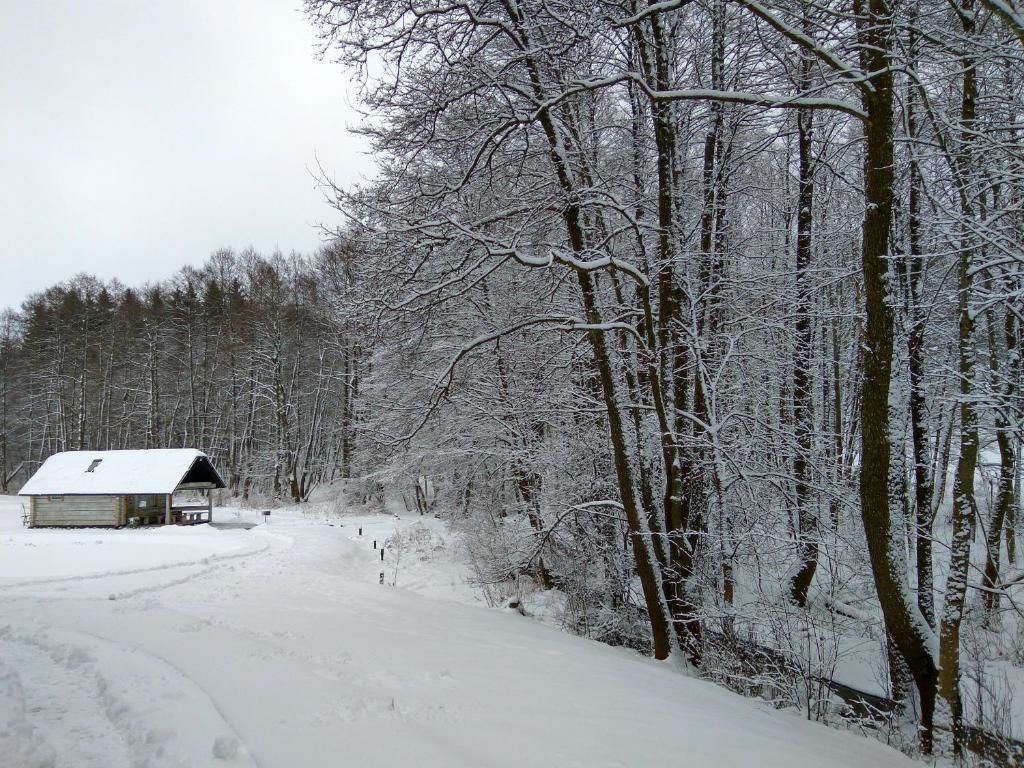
(121, 473)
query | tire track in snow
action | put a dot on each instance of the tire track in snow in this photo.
(185, 677)
(133, 571)
(113, 722)
(62, 702)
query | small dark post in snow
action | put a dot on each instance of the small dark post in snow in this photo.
(382, 577)
(382, 554)
(374, 543)
(360, 531)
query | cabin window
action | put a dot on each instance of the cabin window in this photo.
(95, 463)
(141, 502)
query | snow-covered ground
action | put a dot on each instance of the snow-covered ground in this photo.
(278, 646)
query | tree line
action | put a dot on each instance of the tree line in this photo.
(247, 357)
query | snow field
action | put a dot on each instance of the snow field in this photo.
(282, 649)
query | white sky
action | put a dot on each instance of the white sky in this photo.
(137, 136)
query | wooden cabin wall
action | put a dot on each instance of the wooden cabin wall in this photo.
(76, 510)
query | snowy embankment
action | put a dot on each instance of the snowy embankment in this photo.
(277, 646)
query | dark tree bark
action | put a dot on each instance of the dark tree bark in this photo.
(803, 401)
(904, 622)
(916, 353)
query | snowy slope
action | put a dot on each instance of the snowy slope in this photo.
(278, 647)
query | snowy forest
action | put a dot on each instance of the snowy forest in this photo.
(704, 315)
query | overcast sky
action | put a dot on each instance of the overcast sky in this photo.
(137, 137)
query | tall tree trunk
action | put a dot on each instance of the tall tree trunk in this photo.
(904, 622)
(916, 354)
(1007, 455)
(803, 401)
(663, 631)
(704, 311)
(670, 376)
(964, 505)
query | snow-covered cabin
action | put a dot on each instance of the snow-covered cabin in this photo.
(115, 488)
